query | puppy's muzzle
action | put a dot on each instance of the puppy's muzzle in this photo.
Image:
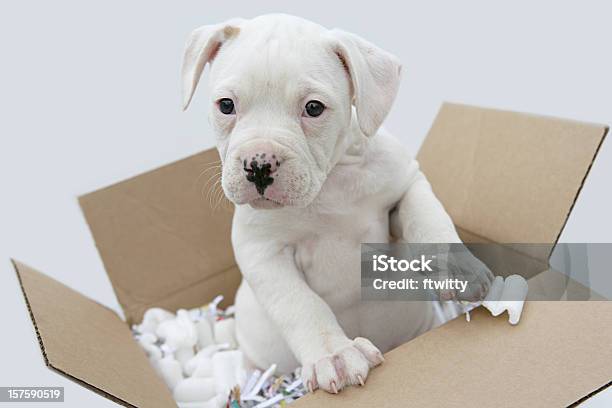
(260, 168)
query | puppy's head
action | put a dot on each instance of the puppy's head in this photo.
(283, 91)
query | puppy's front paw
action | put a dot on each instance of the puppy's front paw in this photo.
(348, 365)
(466, 268)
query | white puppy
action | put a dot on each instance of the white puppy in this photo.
(297, 109)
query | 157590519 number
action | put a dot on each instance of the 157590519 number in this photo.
(32, 394)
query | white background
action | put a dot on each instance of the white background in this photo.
(89, 95)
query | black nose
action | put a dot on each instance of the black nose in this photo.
(259, 174)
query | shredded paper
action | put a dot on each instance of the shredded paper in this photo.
(195, 352)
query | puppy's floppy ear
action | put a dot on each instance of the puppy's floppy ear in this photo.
(375, 77)
(201, 48)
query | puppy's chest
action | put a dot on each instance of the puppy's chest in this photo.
(331, 250)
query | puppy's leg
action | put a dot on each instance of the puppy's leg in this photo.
(420, 218)
(330, 360)
(259, 338)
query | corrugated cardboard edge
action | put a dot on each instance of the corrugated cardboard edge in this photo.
(44, 352)
(606, 130)
(590, 395)
(129, 368)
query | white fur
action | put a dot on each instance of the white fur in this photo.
(339, 180)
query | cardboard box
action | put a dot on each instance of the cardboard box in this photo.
(503, 177)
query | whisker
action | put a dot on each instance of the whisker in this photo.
(207, 185)
(212, 162)
(214, 177)
(213, 191)
(206, 171)
(209, 191)
(215, 200)
(222, 200)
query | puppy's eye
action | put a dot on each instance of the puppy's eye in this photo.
(313, 109)
(226, 106)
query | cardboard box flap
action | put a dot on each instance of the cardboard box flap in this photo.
(508, 177)
(164, 238)
(558, 355)
(89, 343)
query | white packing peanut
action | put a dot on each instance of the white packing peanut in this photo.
(492, 299)
(204, 369)
(212, 307)
(511, 297)
(226, 365)
(183, 318)
(152, 318)
(225, 330)
(167, 350)
(184, 354)
(205, 333)
(198, 313)
(148, 342)
(169, 370)
(178, 332)
(194, 390)
(147, 338)
(216, 402)
(207, 352)
(194, 362)
(515, 293)
(200, 365)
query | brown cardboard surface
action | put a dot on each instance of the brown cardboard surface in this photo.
(161, 242)
(558, 354)
(505, 176)
(89, 343)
